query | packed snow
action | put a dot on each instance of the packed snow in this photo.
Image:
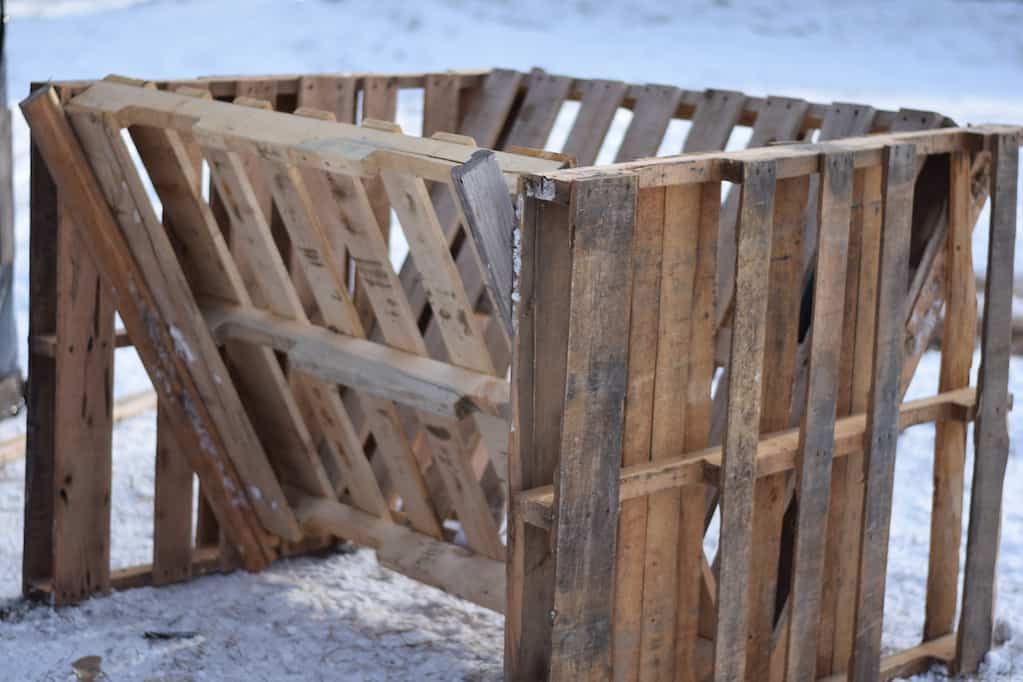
(344, 617)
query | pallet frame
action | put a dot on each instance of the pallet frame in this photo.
(594, 225)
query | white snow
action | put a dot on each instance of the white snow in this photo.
(343, 617)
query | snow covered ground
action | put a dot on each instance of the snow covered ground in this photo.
(344, 617)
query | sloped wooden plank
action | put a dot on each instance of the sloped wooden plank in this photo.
(716, 115)
(990, 437)
(957, 342)
(586, 481)
(344, 446)
(545, 93)
(743, 420)
(111, 248)
(600, 100)
(487, 110)
(655, 106)
(490, 216)
(813, 469)
(883, 410)
(212, 272)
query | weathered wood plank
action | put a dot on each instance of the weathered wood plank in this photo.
(539, 385)
(600, 100)
(490, 216)
(990, 436)
(647, 252)
(535, 118)
(883, 411)
(753, 253)
(441, 95)
(772, 493)
(814, 461)
(172, 515)
(651, 114)
(586, 480)
(957, 341)
(175, 382)
(715, 117)
(336, 94)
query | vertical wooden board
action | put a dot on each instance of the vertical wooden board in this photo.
(37, 556)
(336, 94)
(772, 493)
(950, 435)
(647, 249)
(681, 216)
(83, 430)
(868, 197)
(440, 103)
(654, 109)
(597, 108)
(990, 434)
(738, 471)
(596, 379)
(539, 384)
(545, 93)
(380, 102)
(883, 410)
(700, 352)
(780, 119)
(713, 121)
(172, 516)
(816, 435)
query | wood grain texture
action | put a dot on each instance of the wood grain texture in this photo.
(586, 481)
(538, 376)
(957, 341)
(600, 100)
(990, 436)
(883, 410)
(654, 108)
(172, 516)
(753, 254)
(813, 466)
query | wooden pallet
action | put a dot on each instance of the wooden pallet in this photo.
(276, 279)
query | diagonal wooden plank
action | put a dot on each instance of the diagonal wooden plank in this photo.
(534, 120)
(586, 481)
(715, 117)
(80, 189)
(655, 107)
(490, 216)
(738, 472)
(814, 461)
(883, 410)
(487, 110)
(212, 272)
(990, 436)
(343, 445)
(600, 100)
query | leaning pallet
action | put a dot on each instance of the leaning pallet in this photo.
(716, 332)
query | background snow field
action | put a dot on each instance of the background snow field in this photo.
(344, 617)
